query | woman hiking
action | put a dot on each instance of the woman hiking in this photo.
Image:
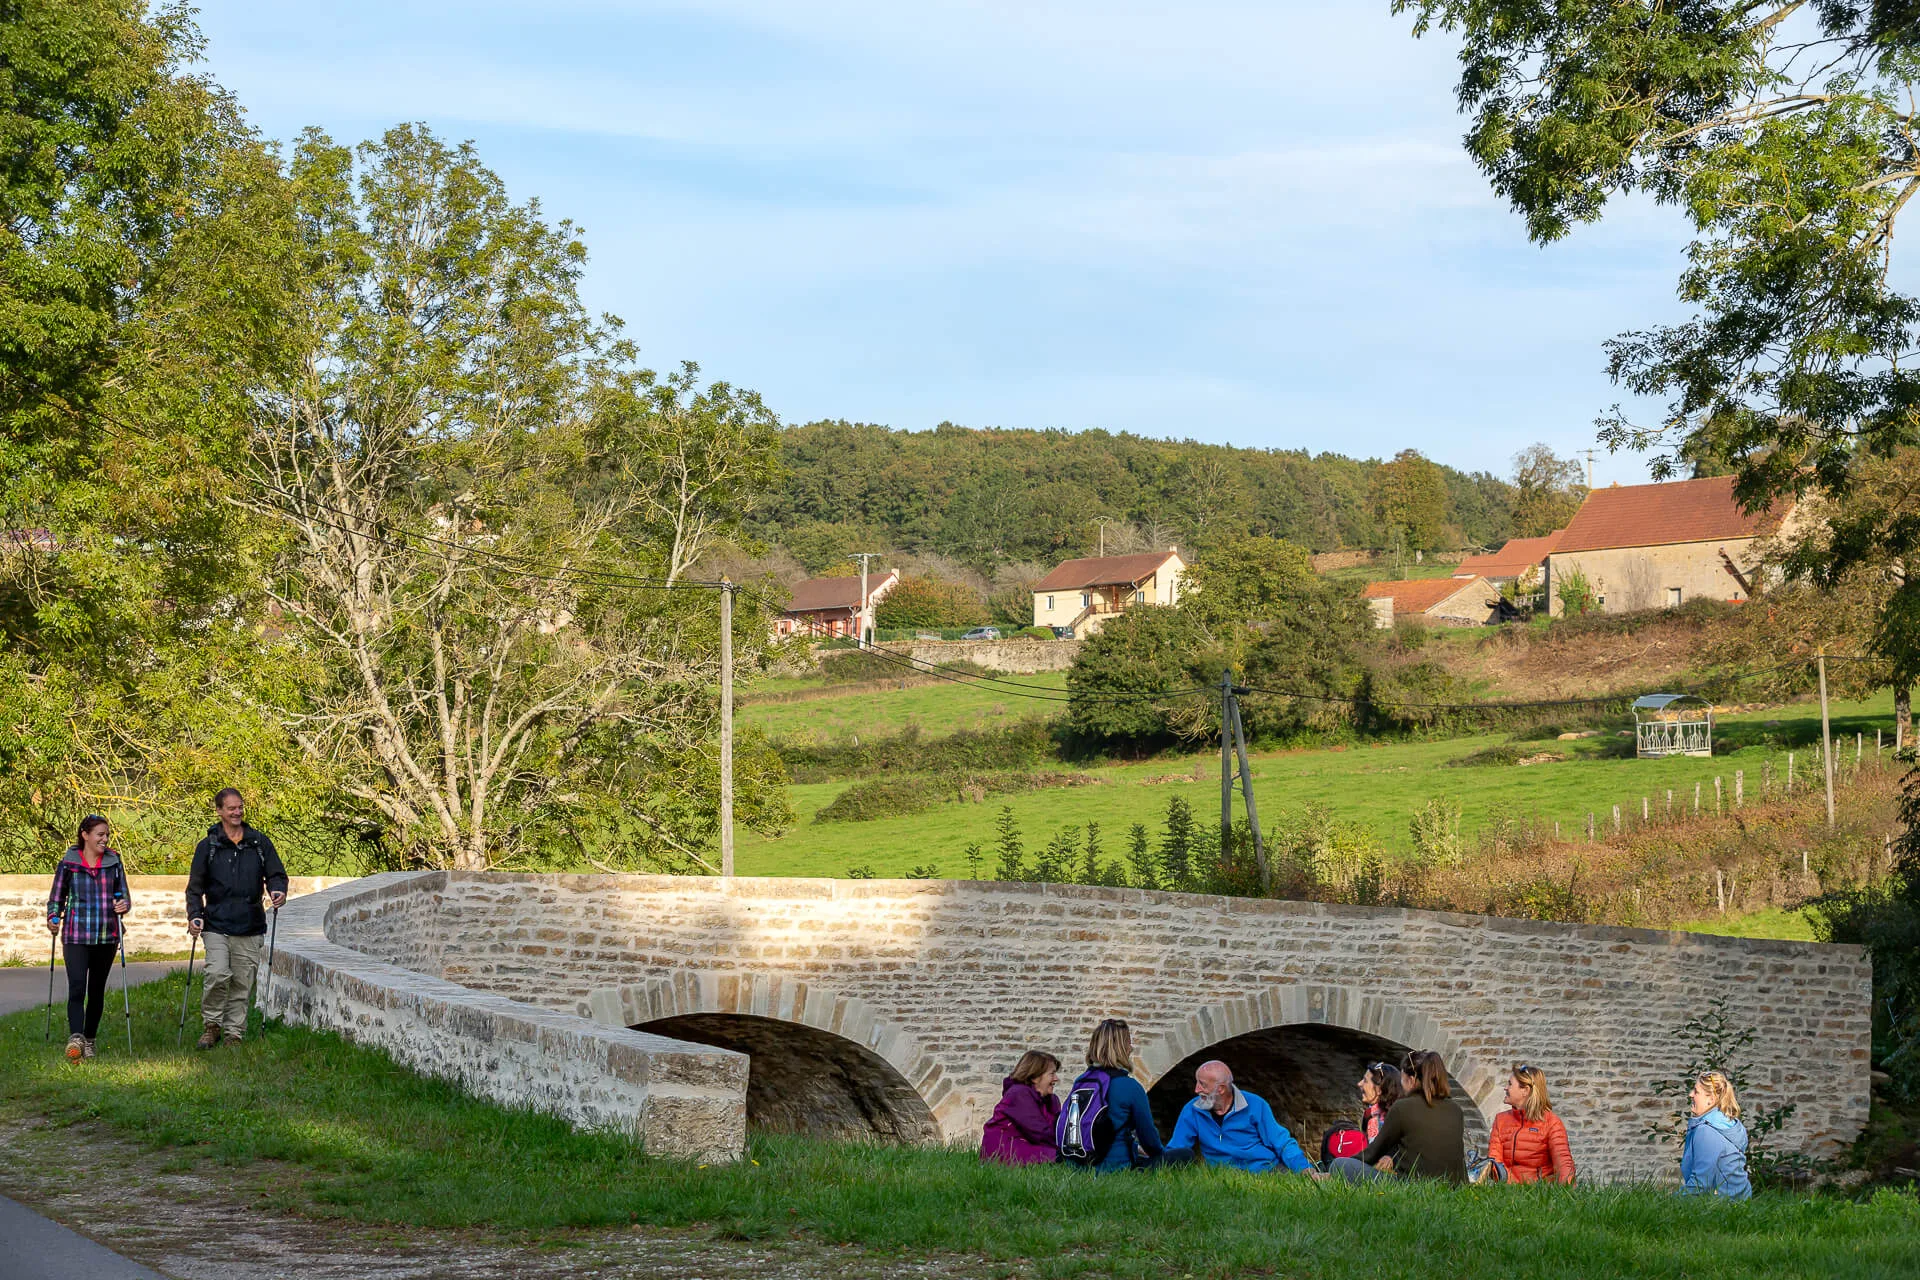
(89, 896)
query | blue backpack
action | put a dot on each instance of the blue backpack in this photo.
(1084, 1131)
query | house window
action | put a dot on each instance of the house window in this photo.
(1139, 597)
(1600, 599)
(1673, 597)
(1086, 598)
(1049, 604)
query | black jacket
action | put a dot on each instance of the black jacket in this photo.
(227, 879)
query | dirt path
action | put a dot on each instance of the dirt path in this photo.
(203, 1225)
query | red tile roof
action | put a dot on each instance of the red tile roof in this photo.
(1103, 571)
(1652, 515)
(1417, 595)
(816, 594)
(1512, 560)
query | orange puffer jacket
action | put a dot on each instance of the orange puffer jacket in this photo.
(1532, 1150)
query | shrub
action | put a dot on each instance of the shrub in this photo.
(1576, 594)
(929, 602)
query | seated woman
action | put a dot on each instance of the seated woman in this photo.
(1426, 1126)
(1380, 1087)
(1020, 1130)
(1106, 1124)
(1528, 1139)
(1714, 1160)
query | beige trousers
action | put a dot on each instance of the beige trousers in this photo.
(231, 963)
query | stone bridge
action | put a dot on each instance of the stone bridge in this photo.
(891, 1009)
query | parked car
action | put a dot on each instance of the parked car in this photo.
(1062, 633)
(982, 633)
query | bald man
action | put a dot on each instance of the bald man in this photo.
(1225, 1124)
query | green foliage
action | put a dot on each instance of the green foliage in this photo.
(1177, 852)
(1025, 744)
(1410, 502)
(1011, 848)
(1436, 834)
(1127, 679)
(930, 603)
(1249, 579)
(1547, 491)
(1006, 497)
(889, 797)
(1576, 594)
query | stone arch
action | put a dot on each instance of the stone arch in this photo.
(819, 1061)
(1318, 1014)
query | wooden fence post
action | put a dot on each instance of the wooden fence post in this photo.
(1645, 811)
(1589, 826)
(1696, 799)
(1716, 796)
(1739, 788)
(1789, 773)
(1616, 819)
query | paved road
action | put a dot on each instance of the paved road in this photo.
(36, 1248)
(27, 988)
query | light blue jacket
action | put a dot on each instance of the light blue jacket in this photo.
(1714, 1160)
(1247, 1137)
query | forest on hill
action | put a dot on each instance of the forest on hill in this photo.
(988, 498)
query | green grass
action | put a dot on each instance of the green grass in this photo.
(1773, 922)
(937, 709)
(346, 1134)
(1382, 785)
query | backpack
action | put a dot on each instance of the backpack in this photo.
(1484, 1169)
(1084, 1131)
(1341, 1142)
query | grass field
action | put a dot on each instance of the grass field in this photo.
(936, 709)
(330, 1131)
(1382, 785)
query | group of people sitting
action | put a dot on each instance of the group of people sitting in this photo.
(1407, 1125)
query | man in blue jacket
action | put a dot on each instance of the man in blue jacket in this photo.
(1228, 1125)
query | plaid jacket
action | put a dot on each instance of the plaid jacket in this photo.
(82, 898)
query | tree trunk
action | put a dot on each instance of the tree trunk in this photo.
(1903, 716)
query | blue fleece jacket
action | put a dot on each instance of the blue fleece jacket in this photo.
(1247, 1137)
(1135, 1139)
(1714, 1160)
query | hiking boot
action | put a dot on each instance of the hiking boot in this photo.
(208, 1038)
(230, 1038)
(76, 1048)
(88, 1051)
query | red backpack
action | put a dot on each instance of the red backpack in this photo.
(1342, 1142)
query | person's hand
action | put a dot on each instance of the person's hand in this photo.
(121, 906)
(1317, 1175)
(53, 925)
(194, 927)
(277, 898)
(1384, 1164)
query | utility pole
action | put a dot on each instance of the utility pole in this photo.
(860, 615)
(1826, 745)
(1233, 746)
(1589, 453)
(1102, 522)
(726, 727)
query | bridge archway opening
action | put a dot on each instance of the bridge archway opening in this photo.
(1307, 1072)
(801, 1079)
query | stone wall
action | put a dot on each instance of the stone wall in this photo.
(1638, 578)
(157, 923)
(946, 982)
(338, 968)
(1017, 656)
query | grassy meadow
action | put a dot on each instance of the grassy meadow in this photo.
(329, 1131)
(1380, 784)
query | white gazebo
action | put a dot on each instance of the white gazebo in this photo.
(1672, 724)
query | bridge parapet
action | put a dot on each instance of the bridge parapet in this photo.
(900, 1004)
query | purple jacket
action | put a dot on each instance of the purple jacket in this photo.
(1022, 1126)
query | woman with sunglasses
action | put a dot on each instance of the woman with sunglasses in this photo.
(1528, 1140)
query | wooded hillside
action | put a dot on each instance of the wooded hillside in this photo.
(988, 497)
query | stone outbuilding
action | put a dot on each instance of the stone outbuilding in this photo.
(1656, 546)
(1445, 602)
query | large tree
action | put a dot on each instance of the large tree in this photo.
(141, 273)
(1547, 491)
(488, 518)
(1410, 501)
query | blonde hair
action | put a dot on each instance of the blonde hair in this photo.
(1111, 1046)
(1720, 1089)
(1033, 1064)
(1538, 1104)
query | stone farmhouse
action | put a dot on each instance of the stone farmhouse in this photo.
(1471, 601)
(1512, 562)
(829, 607)
(1083, 594)
(1656, 546)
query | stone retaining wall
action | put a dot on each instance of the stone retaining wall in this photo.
(157, 923)
(1021, 655)
(339, 967)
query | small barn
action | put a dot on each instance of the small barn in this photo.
(1444, 602)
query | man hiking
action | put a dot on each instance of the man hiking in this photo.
(231, 868)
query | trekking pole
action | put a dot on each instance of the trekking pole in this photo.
(46, 1037)
(266, 997)
(180, 1037)
(126, 1000)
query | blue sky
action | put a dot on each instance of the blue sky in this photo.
(1249, 223)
